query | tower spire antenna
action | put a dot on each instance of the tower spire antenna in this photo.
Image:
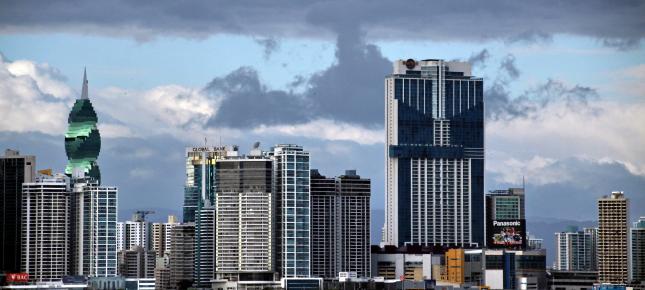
(84, 93)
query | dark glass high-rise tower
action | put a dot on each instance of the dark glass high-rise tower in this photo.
(82, 140)
(15, 169)
(434, 154)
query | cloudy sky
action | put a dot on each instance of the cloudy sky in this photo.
(565, 87)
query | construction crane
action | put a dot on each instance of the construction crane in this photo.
(140, 215)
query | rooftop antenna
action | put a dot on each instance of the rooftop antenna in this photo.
(523, 183)
(205, 141)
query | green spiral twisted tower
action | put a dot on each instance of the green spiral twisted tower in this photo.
(82, 140)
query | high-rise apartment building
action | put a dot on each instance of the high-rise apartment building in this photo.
(182, 255)
(325, 230)
(593, 233)
(161, 236)
(45, 216)
(93, 228)
(134, 233)
(434, 154)
(15, 169)
(82, 139)
(574, 250)
(637, 251)
(205, 245)
(354, 193)
(137, 262)
(340, 225)
(612, 238)
(505, 219)
(291, 171)
(245, 218)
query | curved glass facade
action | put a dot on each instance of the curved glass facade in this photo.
(82, 139)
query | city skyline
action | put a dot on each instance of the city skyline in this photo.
(534, 78)
(565, 102)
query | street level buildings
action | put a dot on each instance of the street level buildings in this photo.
(45, 216)
(434, 154)
(15, 169)
(612, 238)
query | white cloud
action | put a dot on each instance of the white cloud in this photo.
(601, 131)
(163, 109)
(325, 129)
(514, 170)
(30, 99)
(630, 81)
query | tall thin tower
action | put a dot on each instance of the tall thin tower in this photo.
(434, 154)
(82, 139)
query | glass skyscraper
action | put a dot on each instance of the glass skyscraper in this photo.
(15, 169)
(82, 139)
(200, 170)
(291, 165)
(434, 154)
(94, 235)
(92, 207)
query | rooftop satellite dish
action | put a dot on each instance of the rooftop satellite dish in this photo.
(256, 145)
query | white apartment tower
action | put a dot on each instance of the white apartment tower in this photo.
(575, 250)
(45, 216)
(94, 251)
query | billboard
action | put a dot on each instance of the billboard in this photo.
(509, 234)
(17, 277)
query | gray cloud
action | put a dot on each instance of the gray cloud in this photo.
(618, 22)
(479, 59)
(508, 66)
(501, 105)
(350, 90)
(529, 37)
(247, 102)
(269, 44)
